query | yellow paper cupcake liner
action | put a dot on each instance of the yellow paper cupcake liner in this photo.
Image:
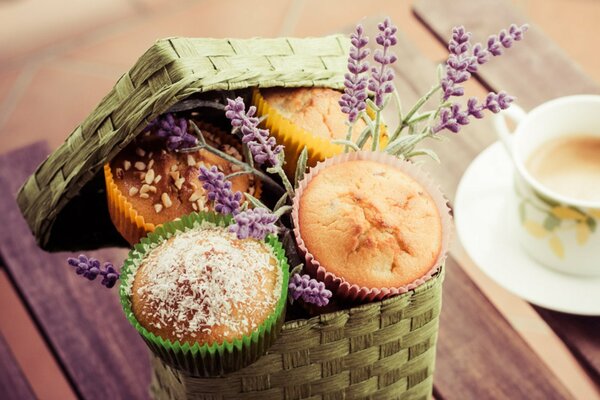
(128, 221)
(130, 224)
(295, 138)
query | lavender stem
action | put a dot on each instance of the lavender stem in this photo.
(263, 177)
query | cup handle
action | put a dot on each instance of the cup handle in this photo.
(515, 113)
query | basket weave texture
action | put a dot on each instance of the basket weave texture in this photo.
(68, 188)
(381, 350)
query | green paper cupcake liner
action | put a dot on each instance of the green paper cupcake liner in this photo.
(204, 360)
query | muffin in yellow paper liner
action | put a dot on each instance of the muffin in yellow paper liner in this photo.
(295, 138)
(341, 287)
(128, 221)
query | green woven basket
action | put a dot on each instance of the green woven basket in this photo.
(68, 187)
(383, 350)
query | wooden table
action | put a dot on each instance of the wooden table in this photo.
(483, 353)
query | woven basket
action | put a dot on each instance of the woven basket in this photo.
(381, 350)
(68, 187)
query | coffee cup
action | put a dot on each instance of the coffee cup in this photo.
(555, 205)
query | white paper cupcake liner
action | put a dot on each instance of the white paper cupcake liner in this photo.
(339, 285)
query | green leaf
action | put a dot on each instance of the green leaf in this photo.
(255, 202)
(247, 155)
(297, 269)
(591, 222)
(551, 222)
(281, 157)
(363, 137)
(281, 201)
(403, 144)
(301, 166)
(282, 210)
(424, 152)
(522, 211)
(346, 143)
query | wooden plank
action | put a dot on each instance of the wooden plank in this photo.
(476, 344)
(479, 355)
(101, 354)
(13, 384)
(535, 71)
(29, 347)
(580, 334)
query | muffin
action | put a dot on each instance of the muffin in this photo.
(368, 224)
(206, 286)
(310, 117)
(203, 289)
(148, 185)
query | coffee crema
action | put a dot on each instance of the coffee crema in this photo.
(569, 166)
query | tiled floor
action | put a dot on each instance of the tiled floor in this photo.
(59, 58)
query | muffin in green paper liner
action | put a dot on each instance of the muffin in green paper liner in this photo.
(226, 320)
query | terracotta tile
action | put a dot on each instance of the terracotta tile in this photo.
(212, 18)
(335, 16)
(28, 346)
(7, 81)
(34, 24)
(55, 102)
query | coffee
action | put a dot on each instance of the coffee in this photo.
(569, 166)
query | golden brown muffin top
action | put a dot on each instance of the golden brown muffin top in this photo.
(370, 224)
(163, 185)
(316, 110)
(206, 286)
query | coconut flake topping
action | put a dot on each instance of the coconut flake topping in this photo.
(205, 277)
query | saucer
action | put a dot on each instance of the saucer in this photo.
(482, 223)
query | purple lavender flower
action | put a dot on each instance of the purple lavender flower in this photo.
(219, 191)
(256, 223)
(174, 131)
(310, 290)
(453, 118)
(355, 94)
(90, 268)
(263, 147)
(381, 79)
(464, 60)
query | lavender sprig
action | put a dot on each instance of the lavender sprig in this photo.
(380, 82)
(173, 131)
(263, 147)
(219, 191)
(310, 290)
(90, 268)
(255, 223)
(463, 59)
(452, 118)
(355, 82)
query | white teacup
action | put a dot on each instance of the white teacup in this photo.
(558, 231)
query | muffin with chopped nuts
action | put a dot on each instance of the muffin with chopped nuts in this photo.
(148, 184)
(311, 117)
(204, 288)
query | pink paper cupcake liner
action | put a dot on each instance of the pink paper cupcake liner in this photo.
(339, 285)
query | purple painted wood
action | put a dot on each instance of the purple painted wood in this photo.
(13, 384)
(100, 352)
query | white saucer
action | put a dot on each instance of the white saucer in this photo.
(482, 224)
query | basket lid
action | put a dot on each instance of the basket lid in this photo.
(64, 201)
